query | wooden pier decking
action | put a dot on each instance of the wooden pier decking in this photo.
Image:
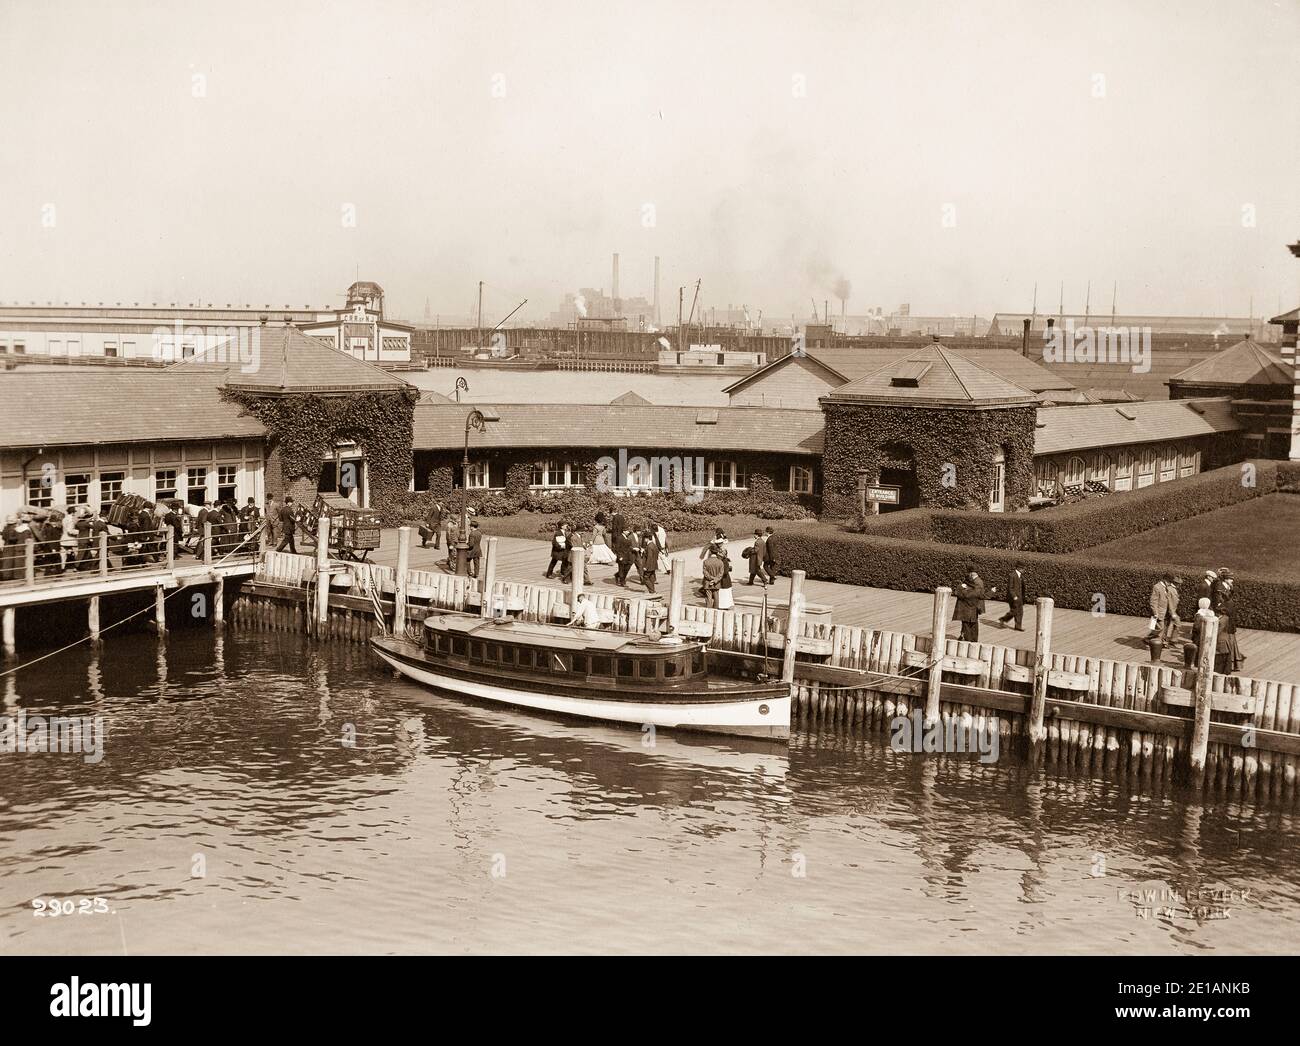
(1270, 655)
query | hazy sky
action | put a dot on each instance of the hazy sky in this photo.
(177, 151)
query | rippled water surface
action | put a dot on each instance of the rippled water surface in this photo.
(449, 827)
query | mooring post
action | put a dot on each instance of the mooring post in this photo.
(578, 562)
(676, 590)
(92, 619)
(103, 553)
(938, 647)
(160, 609)
(29, 562)
(219, 601)
(9, 630)
(207, 543)
(1201, 695)
(322, 575)
(793, 626)
(487, 576)
(400, 580)
(261, 540)
(1042, 668)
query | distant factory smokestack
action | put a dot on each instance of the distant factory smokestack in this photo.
(656, 294)
(618, 304)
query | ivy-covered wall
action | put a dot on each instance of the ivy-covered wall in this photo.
(953, 451)
(302, 430)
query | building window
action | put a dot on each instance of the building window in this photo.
(723, 474)
(476, 476)
(639, 473)
(1168, 463)
(556, 474)
(39, 493)
(997, 488)
(801, 480)
(164, 484)
(1099, 469)
(1074, 469)
(227, 482)
(110, 487)
(110, 349)
(1189, 461)
(20, 347)
(77, 488)
(196, 486)
(1146, 467)
(1045, 478)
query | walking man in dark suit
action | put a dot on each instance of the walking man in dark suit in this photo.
(623, 552)
(769, 553)
(757, 557)
(432, 526)
(649, 561)
(475, 549)
(1015, 597)
(288, 524)
(970, 604)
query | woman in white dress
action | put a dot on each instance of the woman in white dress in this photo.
(601, 554)
(661, 536)
(725, 601)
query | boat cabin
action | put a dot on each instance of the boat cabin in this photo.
(574, 655)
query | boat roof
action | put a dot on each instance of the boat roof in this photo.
(555, 637)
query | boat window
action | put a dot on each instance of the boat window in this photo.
(438, 642)
(646, 669)
(602, 666)
(560, 662)
(476, 650)
(459, 645)
(697, 660)
(580, 664)
(491, 652)
(672, 667)
(625, 666)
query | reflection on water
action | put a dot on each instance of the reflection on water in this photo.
(261, 793)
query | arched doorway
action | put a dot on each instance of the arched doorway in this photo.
(898, 469)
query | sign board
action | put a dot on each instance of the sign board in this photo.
(882, 493)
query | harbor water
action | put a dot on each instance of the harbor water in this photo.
(263, 793)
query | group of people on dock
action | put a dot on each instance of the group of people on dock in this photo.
(1215, 593)
(614, 541)
(137, 535)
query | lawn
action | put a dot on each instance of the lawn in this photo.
(1258, 536)
(542, 525)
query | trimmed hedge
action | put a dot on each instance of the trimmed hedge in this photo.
(1069, 528)
(1072, 581)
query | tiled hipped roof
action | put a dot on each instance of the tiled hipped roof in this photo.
(80, 407)
(604, 426)
(935, 376)
(1246, 363)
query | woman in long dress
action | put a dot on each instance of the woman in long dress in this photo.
(601, 554)
(725, 601)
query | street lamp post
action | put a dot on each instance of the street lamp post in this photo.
(474, 419)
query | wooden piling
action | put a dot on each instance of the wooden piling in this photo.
(938, 646)
(578, 561)
(488, 576)
(1042, 666)
(160, 609)
(92, 619)
(323, 575)
(400, 580)
(8, 630)
(1201, 695)
(171, 549)
(793, 625)
(219, 602)
(207, 543)
(103, 554)
(29, 562)
(676, 591)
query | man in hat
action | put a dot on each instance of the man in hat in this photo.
(288, 525)
(969, 606)
(475, 550)
(1014, 594)
(1164, 607)
(1205, 588)
(432, 526)
(1222, 592)
(757, 556)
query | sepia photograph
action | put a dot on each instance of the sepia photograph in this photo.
(590, 479)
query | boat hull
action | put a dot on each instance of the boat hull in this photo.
(766, 717)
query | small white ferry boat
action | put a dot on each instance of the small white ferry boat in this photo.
(608, 676)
